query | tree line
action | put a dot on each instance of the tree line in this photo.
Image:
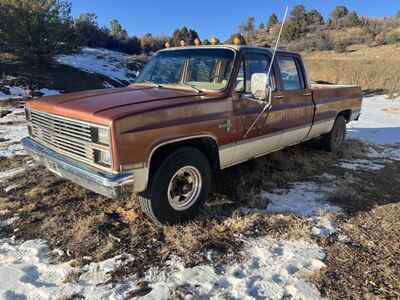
(308, 30)
(36, 30)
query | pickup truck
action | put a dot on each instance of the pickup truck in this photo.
(192, 112)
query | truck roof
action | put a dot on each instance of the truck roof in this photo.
(233, 47)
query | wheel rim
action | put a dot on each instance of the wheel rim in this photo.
(184, 188)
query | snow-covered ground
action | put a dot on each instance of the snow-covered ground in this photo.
(101, 61)
(11, 88)
(27, 272)
(12, 130)
(379, 123)
(274, 269)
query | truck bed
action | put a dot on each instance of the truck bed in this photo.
(329, 99)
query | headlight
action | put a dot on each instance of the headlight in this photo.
(101, 135)
(103, 157)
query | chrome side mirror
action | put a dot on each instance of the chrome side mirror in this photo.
(259, 86)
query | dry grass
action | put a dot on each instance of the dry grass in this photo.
(371, 68)
(72, 276)
(367, 266)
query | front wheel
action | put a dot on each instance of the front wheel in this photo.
(178, 187)
(333, 140)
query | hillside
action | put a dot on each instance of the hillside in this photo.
(375, 69)
(87, 69)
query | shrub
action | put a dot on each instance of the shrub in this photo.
(340, 46)
(393, 37)
(380, 39)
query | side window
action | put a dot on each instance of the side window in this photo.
(290, 74)
(252, 63)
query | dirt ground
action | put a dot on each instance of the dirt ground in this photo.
(362, 259)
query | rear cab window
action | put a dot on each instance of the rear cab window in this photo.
(291, 74)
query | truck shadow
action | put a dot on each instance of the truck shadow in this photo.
(355, 190)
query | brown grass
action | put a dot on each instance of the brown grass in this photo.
(72, 276)
(368, 265)
(371, 68)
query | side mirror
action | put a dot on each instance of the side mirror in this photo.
(259, 86)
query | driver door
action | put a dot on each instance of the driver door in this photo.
(264, 137)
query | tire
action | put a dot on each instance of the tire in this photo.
(333, 141)
(187, 172)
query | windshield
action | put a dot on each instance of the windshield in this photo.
(208, 69)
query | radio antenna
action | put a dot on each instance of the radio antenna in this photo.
(268, 105)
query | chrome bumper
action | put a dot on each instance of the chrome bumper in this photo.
(107, 184)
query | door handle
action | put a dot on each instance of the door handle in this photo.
(308, 94)
(278, 97)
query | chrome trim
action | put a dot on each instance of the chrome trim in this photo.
(67, 136)
(107, 184)
(239, 152)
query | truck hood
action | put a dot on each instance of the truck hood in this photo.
(104, 106)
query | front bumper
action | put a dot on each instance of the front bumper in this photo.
(109, 185)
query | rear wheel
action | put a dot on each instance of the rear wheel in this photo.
(333, 140)
(178, 187)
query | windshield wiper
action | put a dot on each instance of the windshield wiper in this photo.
(192, 87)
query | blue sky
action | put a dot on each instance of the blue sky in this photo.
(210, 17)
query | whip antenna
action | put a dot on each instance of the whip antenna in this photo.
(268, 105)
(277, 42)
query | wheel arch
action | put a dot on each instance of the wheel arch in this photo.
(207, 144)
(346, 114)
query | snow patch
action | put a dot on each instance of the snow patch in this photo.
(15, 93)
(28, 273)
(361, 164)
(12, 130)
(379, 122)
(101, 61)
(5, 175)
(302, 199)
(49, 92)
(273, 269)
(307, 200)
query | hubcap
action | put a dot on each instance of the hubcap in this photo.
(184, 188)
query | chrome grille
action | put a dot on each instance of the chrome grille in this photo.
(66, 136)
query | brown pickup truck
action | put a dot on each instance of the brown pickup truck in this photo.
(192, 112)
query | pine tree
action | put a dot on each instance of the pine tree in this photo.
(36, 30)
(338, 15)
(352, 20)
(186, 34)
(314, 17)
(272, 21)
(117, 31)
